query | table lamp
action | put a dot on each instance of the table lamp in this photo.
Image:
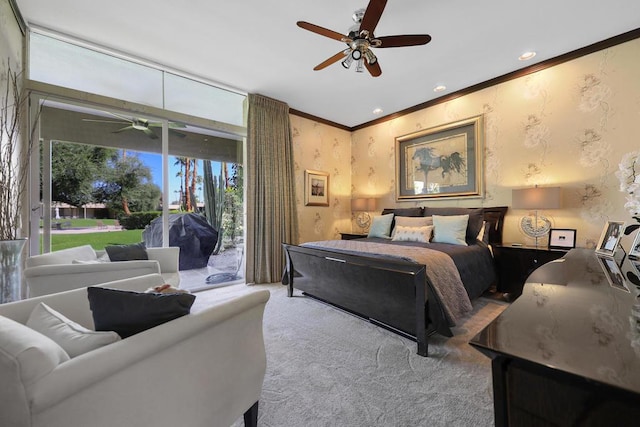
(363, 206)
(536, 198)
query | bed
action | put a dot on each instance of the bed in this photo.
(401, 286)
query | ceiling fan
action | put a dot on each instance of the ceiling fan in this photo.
(361, 39)
(140, 124)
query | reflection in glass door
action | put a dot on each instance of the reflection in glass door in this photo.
(102, 183)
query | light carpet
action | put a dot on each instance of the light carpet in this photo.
(328, 368)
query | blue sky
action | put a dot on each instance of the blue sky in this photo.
(154, 162)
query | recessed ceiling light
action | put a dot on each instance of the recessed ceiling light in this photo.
(527, 56)
(439, 88)
(377, 111)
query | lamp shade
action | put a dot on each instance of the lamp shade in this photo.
(363, 204)
(536, 198)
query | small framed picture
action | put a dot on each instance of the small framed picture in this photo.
(611, 235)
(635, 247)
(316, 188)
(613, 273)
(562, 238)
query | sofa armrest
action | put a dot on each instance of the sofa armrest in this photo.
(167, 257)
(48, 279)
(217, 352)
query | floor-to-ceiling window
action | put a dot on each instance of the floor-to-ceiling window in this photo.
(99, 166)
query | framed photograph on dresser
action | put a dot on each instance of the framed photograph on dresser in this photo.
(610, 238)
(562, 238)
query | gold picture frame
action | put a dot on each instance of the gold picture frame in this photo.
(443, 161)
(316, 188)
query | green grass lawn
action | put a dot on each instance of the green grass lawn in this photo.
(96, 240)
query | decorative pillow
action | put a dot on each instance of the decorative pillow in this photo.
(27, 355)
(413, 234)
(75, 339)
(483, 234)
(135, 251)
(129, 312)
(450, 229)
(381, 226)
(476, 216)
(413, 221)
(410, 221)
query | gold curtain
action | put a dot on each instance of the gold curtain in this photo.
(271, 201)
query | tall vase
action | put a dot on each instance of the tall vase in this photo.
(11, 270)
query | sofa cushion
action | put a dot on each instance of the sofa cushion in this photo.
(136, 251)
(26, 355)
(64, 256)
(75, 339)
(128, 312)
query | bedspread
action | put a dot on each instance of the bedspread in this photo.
(440, 269)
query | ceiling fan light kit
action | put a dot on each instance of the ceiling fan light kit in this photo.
(361, 39)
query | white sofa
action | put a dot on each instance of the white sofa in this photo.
(80, 266)
(202, 369)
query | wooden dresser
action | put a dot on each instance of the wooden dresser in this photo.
(567, 352)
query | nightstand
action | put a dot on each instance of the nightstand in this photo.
(351, 236)
(515, 263)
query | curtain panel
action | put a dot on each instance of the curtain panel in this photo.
(271, 201)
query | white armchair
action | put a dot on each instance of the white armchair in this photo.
(80, 266)
(202, 369)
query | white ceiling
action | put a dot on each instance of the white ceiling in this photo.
(254, 46)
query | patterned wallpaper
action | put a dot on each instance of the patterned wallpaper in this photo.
(565, 126)
(327, 149)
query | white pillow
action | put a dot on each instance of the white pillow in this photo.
(413, 234)
(75, 339)
(450, 229)
(26, 355)
(381, 226)
(411, 221)
(482, 231)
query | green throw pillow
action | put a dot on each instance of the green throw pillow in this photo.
(381, 226)
(450, 229)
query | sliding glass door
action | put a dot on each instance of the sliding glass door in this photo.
(108, 177)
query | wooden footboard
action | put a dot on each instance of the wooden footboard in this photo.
(395, 294)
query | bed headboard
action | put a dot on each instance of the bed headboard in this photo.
(494, 223)
(492, 216)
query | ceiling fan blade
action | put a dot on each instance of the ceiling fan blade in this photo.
(173, 125)
(335, 58)
(104, 121)
(321, 30)
(406, 40)
(372, 15)
(374, 69)
(178, 134)
(128, 119)
(123, 129)
(150, 133)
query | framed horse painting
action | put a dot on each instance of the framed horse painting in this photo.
(443, 161)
